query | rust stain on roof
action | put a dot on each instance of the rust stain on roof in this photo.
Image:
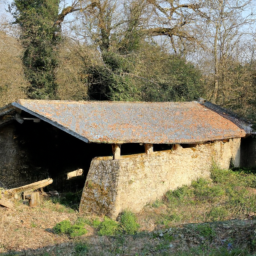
(134, 122)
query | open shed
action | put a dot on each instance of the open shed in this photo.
(131, 153)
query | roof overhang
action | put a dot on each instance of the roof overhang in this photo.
(138, 122)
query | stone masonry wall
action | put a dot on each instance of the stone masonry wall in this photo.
(9, 158)
(14, 169)
(131, 182)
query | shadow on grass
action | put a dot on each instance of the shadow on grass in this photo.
(69, 200)
(234, 237)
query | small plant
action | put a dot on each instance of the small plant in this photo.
(128, 223)
(206, 231)
(83, 221)
(65, 227)
(81, 248)
(218, 214)
(108, 227)
(33, 225)
(96, 223)
(183, 192)
(157, 204)
(77, 230)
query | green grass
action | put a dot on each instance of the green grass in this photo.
(65, 227)
(81, 249)
(108, 227)
(227, 195)
(128, 223)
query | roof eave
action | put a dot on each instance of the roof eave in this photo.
(65, 129)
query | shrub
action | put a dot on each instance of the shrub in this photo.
(62, 227)
(128, 222)
(81, 248)
(96, 223)
(108, 227)
(65, 227)
(77, 230)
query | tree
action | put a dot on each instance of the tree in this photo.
(40, 37)
(224, 33)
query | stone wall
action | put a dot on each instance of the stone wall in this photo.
(10, 159)
(131, 182)
(16, 167)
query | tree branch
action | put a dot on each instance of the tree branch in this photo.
(71, 9)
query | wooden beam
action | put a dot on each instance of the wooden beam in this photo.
(116, 149)
(176, 146)
(148, 148)
(31, 187)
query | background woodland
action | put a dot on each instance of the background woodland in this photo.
(143, 50)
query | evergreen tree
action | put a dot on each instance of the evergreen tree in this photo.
(40, 37)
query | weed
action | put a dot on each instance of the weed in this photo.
(128, 223)
(81, 248)
(157, 204)
(33, 225)
(77, 230)
(217, 214)
(206, 231)
(108, 227)
(65, 227)
(96, 223)
(83, 221)
(183, 192)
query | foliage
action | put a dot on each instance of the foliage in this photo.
(96, 223)
(65, 227)
(229, 194)
(62, 227)
(123, 77)
(128, 223)
(206, 231)
(40, 38)
(108, 227)
(81, 248)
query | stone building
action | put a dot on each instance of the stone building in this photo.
(131, 153)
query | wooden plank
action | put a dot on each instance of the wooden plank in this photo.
(30, 187)
(6, 203)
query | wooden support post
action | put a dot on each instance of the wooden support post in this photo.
(148, 148)
(116, 149)
(176, 146)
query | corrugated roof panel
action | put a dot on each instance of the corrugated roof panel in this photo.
(134, 122)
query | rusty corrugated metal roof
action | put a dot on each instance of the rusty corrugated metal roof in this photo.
(134, 122)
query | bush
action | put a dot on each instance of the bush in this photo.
(108, 227)
(81, 248)
(96, 223)
(129, 224)
(65, 227)
(62, 227)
